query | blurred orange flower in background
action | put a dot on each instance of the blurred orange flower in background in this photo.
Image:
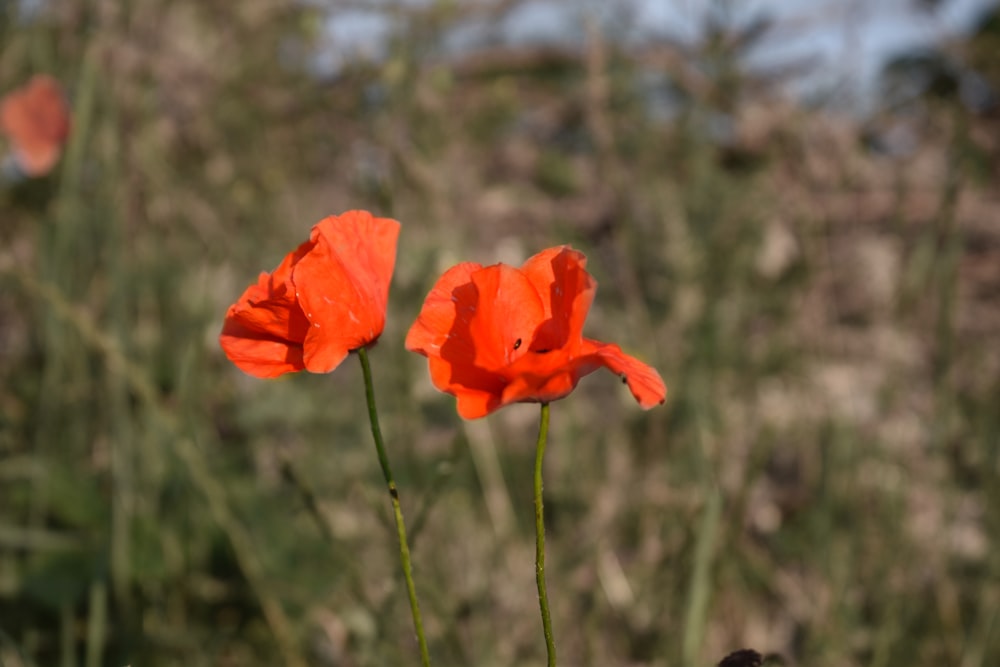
(326, 298)
(36, 119)
(499, 335)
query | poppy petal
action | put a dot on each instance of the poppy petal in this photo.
(545, 383)
(37, 120)
(257, 354)
(440, 310)
(342, 285)
(506, 313)
(441, 333)
(366, 246)
(567, 290)
(260, 329)
(643, 381)
(476, 404)
(477, 391)
(269, 307)
(268, 312)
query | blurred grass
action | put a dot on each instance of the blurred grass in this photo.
(822, 484)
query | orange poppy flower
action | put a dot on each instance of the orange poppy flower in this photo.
(36, 118)
(499, 335)
(327, 298)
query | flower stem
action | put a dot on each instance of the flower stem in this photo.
(404, 549)
(543, 597)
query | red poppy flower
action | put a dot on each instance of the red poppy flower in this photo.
(326, 298)
(36, 117)
(499, 335)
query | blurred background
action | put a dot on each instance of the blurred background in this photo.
(792, 210)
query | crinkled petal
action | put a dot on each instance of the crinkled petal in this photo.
(366, 247)
(257, 354)
(477, 391)
(643, 381)
(339, 319)
(342, 285)
(262, 331)
(441, 309)
(567, 291)
(542, 377)
(473, 320)
(507, 312)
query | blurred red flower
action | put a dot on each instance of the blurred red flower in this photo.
(327, 298)
(36, 118)
(499, 335)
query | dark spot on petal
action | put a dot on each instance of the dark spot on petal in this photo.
(542, 351)
(624, 379)
(517, 343)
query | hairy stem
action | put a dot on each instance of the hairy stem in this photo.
(543, 597)
(404, 548)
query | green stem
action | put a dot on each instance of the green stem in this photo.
(404, 549)
(543, 597)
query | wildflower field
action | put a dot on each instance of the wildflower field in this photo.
(187, 469)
